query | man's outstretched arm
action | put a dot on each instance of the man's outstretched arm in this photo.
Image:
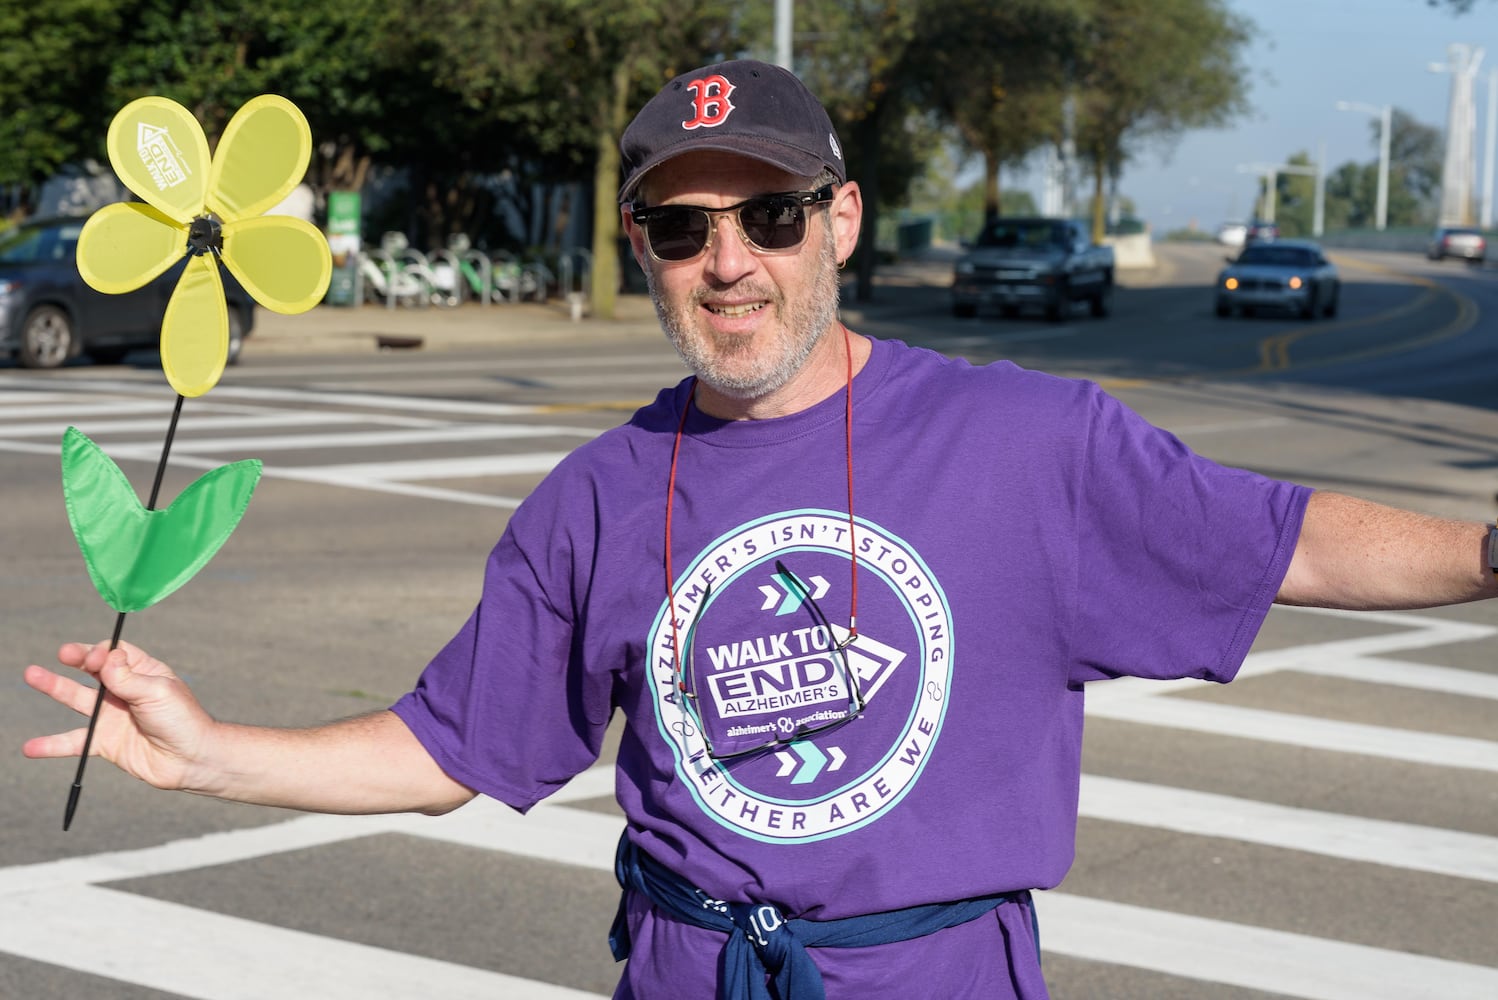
(1363, 556)
(153, 727)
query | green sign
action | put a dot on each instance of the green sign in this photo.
(343, 241)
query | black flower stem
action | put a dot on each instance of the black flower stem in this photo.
(119, 626)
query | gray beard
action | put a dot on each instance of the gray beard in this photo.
(803, 327)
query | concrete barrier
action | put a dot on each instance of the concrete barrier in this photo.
(1132, 251)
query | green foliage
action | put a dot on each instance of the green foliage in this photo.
(52, 72)
(1350, 197)
(1149, 70)
(452, 91)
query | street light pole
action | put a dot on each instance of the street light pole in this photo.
(1487, 160)
(1385, 117)
(784, 16)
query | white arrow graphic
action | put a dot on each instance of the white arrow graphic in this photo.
(787, 763)
(837, 756)
(818, 590)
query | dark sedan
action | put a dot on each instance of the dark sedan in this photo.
(1284, 275)
(49, 315)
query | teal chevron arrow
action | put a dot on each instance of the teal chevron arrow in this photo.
(137, 556)
(813, 761)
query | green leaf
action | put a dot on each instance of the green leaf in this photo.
(138, 556)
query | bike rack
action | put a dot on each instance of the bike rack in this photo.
(381, 273)
(473, 269)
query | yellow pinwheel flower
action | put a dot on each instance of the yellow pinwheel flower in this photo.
(210, 211)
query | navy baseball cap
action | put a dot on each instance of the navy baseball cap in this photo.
(752, 108)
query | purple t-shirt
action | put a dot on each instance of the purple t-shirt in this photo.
(1014, 536)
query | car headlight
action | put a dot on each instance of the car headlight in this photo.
(1295, 282)
(1231, 284)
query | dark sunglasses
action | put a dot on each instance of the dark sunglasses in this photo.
(770, 223)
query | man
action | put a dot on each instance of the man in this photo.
(847, 595)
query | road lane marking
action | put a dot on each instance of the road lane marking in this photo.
(445, 434)
(1352, 838)
(1288, 729)
(1396, 673)
(360, 473)
(197, 953)
(1255, 958)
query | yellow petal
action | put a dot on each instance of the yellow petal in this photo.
(261, 157)
(158, 149)
(195, 329)
(126, 244)
(282, 262)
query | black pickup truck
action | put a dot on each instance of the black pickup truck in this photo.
(1039, 262)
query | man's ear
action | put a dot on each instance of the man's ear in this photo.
(846, 218)
(636, 236)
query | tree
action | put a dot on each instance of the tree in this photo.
(998, 73)
(567, 74)
(1148, 70)
(1352, 196)
(1295, 197)
(1416, 153)
(851, 55)
(365, 85)
(53, 102)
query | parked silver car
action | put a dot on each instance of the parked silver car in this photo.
(1284, 275)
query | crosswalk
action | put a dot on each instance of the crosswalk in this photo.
(367, 440)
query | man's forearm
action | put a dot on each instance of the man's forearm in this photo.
(368, 764)
(1358, 555)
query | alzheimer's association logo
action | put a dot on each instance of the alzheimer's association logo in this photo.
(163, 157)
(762, 661)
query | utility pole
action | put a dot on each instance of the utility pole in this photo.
(1271, 174)
(784, 17)
(1385, 113)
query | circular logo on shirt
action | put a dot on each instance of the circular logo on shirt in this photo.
(786, 725)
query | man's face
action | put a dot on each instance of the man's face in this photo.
(747, 323)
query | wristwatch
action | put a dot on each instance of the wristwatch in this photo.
(1493, 548)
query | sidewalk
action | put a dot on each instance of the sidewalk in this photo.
(372, 328)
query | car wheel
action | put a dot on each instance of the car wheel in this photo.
(964, 310)
(1223, 309)
(1008, 311)
(1102, 303)
(236, 334)
(47, 338)
(1330, 309)
(1058, 307)
(1313, 305)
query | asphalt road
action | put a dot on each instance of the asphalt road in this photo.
(1326, 826)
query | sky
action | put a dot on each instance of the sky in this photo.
(1305, 57)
